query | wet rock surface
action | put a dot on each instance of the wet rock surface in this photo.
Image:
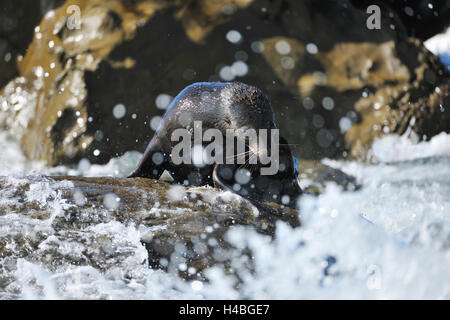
(78, 221)
(334, 84)
(315, 176)
(178, 225)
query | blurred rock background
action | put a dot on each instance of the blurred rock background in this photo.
(95, 85)
(17, 22)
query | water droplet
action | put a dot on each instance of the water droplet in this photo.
(38, 71)
(79, 198)
(155, 122)
(282, 47)
(287, 63)
(157, 158)
(308, 103)
(111, 201)
(285, 199)
(328, 103)
(318, 121)
(242, 176)
(98, 135)
(257, 46)
(226, 73)
(119, 111)
(409, 11)
(312, 48)
(7, 57)
(192, 270)
(345, 124)
(163, 100)
(182, 267)
(241, 55)
(234, 36)
(239, 68)
(324, 138)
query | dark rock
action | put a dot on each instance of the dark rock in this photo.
(17, 22)
(422, 18)
(335, 85)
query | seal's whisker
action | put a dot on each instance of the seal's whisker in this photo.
(247, 163)
(237, 155)
(251, 157)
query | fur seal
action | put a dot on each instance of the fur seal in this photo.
(223, 106)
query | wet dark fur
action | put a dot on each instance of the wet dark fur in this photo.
(222, 106)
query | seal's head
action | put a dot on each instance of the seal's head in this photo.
(246, 104)
(247, 109)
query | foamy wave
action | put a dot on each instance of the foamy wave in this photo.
(389, 240)
(393, 148)
(14, 162)
(440, 45)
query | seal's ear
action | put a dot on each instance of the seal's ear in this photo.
(153, 162)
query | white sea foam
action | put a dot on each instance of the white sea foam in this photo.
(116, 167)
(440, 45)
(400, 148)
(389, 240)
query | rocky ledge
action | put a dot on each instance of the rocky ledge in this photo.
(178, 225)
(192, 218)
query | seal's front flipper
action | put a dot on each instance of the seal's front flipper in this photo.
(147, 170)
(153, 162)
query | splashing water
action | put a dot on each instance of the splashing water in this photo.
(390, 239)
(440, 45)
